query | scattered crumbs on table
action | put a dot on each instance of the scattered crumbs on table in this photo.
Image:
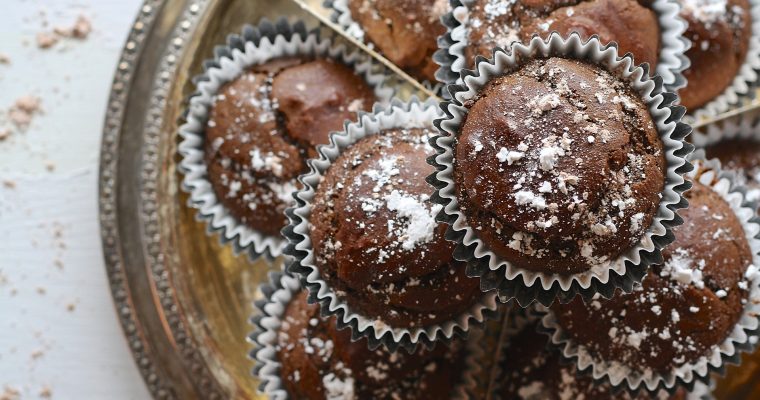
(80, 30)
(23, 110)
(10, 393)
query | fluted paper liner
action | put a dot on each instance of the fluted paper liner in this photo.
(739, 340)
(398, 115)
(671, 64)
(267, 321)
(631, 266)
(255, 45)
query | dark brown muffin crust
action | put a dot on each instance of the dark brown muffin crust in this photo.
(530, 371)
(684, 307)
(743, 157)
(375, 238)
(265, 124)
(630, 23)
(320, 362)
(558, 167)
(405, 31)
(719, 31)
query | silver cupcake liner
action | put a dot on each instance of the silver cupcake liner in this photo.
(399, 114)
(630, 267)
(673, 61)
(341, 15)
(267, 320)
(743, 337)
(746, 79)
(255, 45)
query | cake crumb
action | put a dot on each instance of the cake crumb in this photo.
(46, 392)
(22, 111)
(10, 393)
(9, 184)
(4, 59)
(46, 40)
(4, 133)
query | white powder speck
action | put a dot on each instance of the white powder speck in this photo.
(421, 225)
(509, 156)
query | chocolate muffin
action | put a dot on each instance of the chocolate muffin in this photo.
(528, 371)
(684, 308)
(630, 23)
(719, 31)
(375, 238)
(405, 31)
(321, 362)
(743, 157)
(265, 124)
(558, 167)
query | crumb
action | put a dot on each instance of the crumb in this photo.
(10, 393)
(82, 28)
(9, 184)
(41, 290)
(37, 354)
(46, 393)
(71, 307)
(4, 59)
(58, 263)
(46, 40)
(4, 133)
(23, 110)
(50, 166)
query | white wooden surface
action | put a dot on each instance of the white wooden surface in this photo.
(58, 329)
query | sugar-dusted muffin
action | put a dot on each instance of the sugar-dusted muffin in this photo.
(375, 238)
(530, 371)
(743, 157)
(405, 31)
(558, 166)
(630, 23)
(683, 308)
(320, 362)
(719, 31)
(265, 124)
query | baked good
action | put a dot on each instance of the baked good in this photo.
(405, 31)
(630, 23)
(719, 31)
(530, 371)
(558, 167)
(743, 157)
(684, 308)
(375, 238)
(320, 362)
(263, 126)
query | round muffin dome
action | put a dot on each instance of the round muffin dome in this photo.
(684, 307)
(375, 238)
(630, 23)
(265, 124)
(558, 166)
(405, 31)
(719, 31)
(320, 362)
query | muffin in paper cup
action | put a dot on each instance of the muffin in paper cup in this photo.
(538, 371)
(746, 80)
(671, 62)
(341, 15)
(535, 283)
(270, 319)
(682, 274)
(383, 291)
(256, 46)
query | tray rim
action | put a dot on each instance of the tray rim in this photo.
(148, 351)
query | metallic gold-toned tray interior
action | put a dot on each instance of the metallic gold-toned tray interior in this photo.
(184, 298)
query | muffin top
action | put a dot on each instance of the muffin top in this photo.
(265, 124)
(321, 362)
(375, 236)
(743, 157)
(405, 31)
(719, 31)
(683, 308)
(529, 371)
(558, 166)
(630, 23)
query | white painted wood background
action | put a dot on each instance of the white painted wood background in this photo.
(58, 329)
